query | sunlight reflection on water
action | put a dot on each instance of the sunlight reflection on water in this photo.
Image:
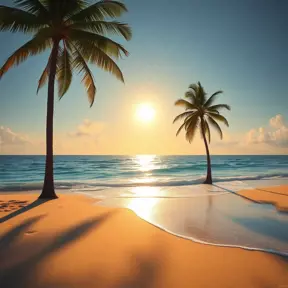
(145, 162)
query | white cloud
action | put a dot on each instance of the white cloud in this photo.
(12, 142)
(8, 137)
(88, 128)
(277, 121)
(276, 134)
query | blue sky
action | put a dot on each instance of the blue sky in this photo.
(237, 46)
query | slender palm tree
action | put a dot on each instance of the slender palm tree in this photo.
(76, 34)
(200, 112)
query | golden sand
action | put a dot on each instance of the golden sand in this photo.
(69, 242)
(277, 196)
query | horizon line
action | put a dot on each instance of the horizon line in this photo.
(145, 154)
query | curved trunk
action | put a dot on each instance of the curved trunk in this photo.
(209, 172)
(48, 191)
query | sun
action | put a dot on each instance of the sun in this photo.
(145, 113)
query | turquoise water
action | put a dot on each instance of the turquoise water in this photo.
(101, 172)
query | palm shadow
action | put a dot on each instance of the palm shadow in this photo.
(239, 195)
(12, 235)
(146, 275)
(272, 192)
(21, 273)
(147, 269)
(10, 206)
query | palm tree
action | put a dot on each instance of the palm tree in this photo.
(201, 113)
(77, 35)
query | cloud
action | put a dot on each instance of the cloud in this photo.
(88, 129)
(277, 121)
(276, 134)
(8, 137)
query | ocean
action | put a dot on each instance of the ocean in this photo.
(164, 191)
(19, 173)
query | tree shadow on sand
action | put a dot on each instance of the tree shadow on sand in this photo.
(11, 236)
(13, 205)
(147, 272)
(21, 273)
(272, 192)
(235, 193)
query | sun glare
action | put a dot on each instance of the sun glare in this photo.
(144, 207)
(145, 113)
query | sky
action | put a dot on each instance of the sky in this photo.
(237, 46)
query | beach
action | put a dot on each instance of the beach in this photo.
(74, 242)
(175, 175)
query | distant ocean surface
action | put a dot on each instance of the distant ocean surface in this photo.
(18, 173)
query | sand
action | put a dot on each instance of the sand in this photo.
(277, 196)
(70, 242)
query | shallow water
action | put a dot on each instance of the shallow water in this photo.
(209, 215)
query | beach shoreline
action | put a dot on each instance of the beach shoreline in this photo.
(76, 250)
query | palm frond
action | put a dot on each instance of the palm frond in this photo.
(212, 98)
(192, 128)
(33, 6)
(180, 129)
(105, 44)
(207, 111)
(99, 11)
(94, 55)
(215, 125)
(192, 96)
(104, 28)
(219, 117)
(64, 72)
(189, 118)
(43, 79)
(181, 116)
(194, 87)
(186, 104)
(64, 9)
(33, 47)
(201, 95)
(17, 20)
(219, 106)
(207, 130)
(80, 64)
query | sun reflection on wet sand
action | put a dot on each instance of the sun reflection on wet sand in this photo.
(143, 207)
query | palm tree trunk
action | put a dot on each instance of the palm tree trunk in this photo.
(209, 172)
(48, 191)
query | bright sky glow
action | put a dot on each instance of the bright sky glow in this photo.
(145, 113)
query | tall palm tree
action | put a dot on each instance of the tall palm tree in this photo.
(200, 112)
(76, 33)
